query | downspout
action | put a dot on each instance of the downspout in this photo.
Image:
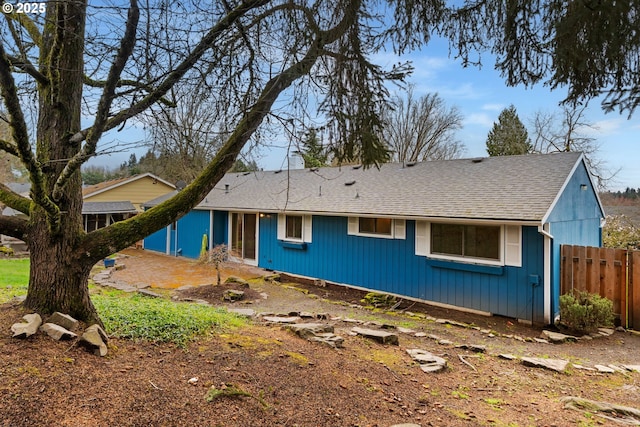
(544, 230)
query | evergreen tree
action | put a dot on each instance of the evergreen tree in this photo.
(508, 136)
(313, 152)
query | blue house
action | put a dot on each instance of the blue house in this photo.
(478, 234)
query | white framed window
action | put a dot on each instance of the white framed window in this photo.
(295, 227)
(386, 228)
(477, 243)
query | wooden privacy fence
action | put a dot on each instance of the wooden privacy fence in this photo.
(611, 273)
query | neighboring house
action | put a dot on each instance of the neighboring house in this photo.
(479, 234)
(116, 200)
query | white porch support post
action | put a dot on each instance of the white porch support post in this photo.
(544, 230)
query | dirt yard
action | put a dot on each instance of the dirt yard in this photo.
(292, 382)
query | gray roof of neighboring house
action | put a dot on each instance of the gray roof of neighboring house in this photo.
(108, 207)
(508, 188)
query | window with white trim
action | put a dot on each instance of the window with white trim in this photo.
(294, 228)
(388, 228)
(478, 243)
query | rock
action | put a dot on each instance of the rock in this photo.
(27, 328)
(57, 332)
(429, 362)
(632, 368)
(149, 293)
(445, 342)
(63, 320)
(541, 341)
(245, 312)
(233, 295)
(476, 348)
(237, 281)
(306, 330)
(94, 339)
(605, 331)
(507, 356)
(558, 365)
(317, 332)
(406, 425)
(556, 337)
(583, 368)
(604, 369)
(330, 339)
(279, 319)
(406, 330)
(380, 336)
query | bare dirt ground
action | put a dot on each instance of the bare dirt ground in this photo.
(292, 382)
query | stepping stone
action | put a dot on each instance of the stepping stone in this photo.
(583, 368)
(476, 348)
(556, 337)
(605, 331)
(380, 336)
(632, 368)
(279, 319)
(604, 369)
(507, 356)
(317, 332)
(429, 362)
(558, 365)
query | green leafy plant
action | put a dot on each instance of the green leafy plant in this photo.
(160, 320)
(585, 312)
(376, 299)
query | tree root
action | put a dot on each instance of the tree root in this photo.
(619, 414)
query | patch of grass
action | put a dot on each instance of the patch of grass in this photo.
(14, 278)
(160, 320)
(494, 403)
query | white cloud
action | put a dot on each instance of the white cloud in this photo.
(493, 107)
(481, 119)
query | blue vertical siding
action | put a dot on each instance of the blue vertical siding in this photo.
(220, 228)
(574, 220)
(390, 265)
(157, 241)
(190, 230)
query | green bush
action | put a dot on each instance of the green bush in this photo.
(585, 312)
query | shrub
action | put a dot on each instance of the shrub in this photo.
(585, 312)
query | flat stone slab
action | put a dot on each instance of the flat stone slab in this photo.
(429, 362)
(317, 332)
(280, 319)
(382, 337)
(476, 348)
(632, 368)
(557, 337)
(558, 365)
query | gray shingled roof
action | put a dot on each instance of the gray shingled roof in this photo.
(108, 207)
(507, 188)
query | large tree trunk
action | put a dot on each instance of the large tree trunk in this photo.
(59, 275)
(58, 280)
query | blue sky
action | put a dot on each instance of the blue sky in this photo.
(480, 95)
